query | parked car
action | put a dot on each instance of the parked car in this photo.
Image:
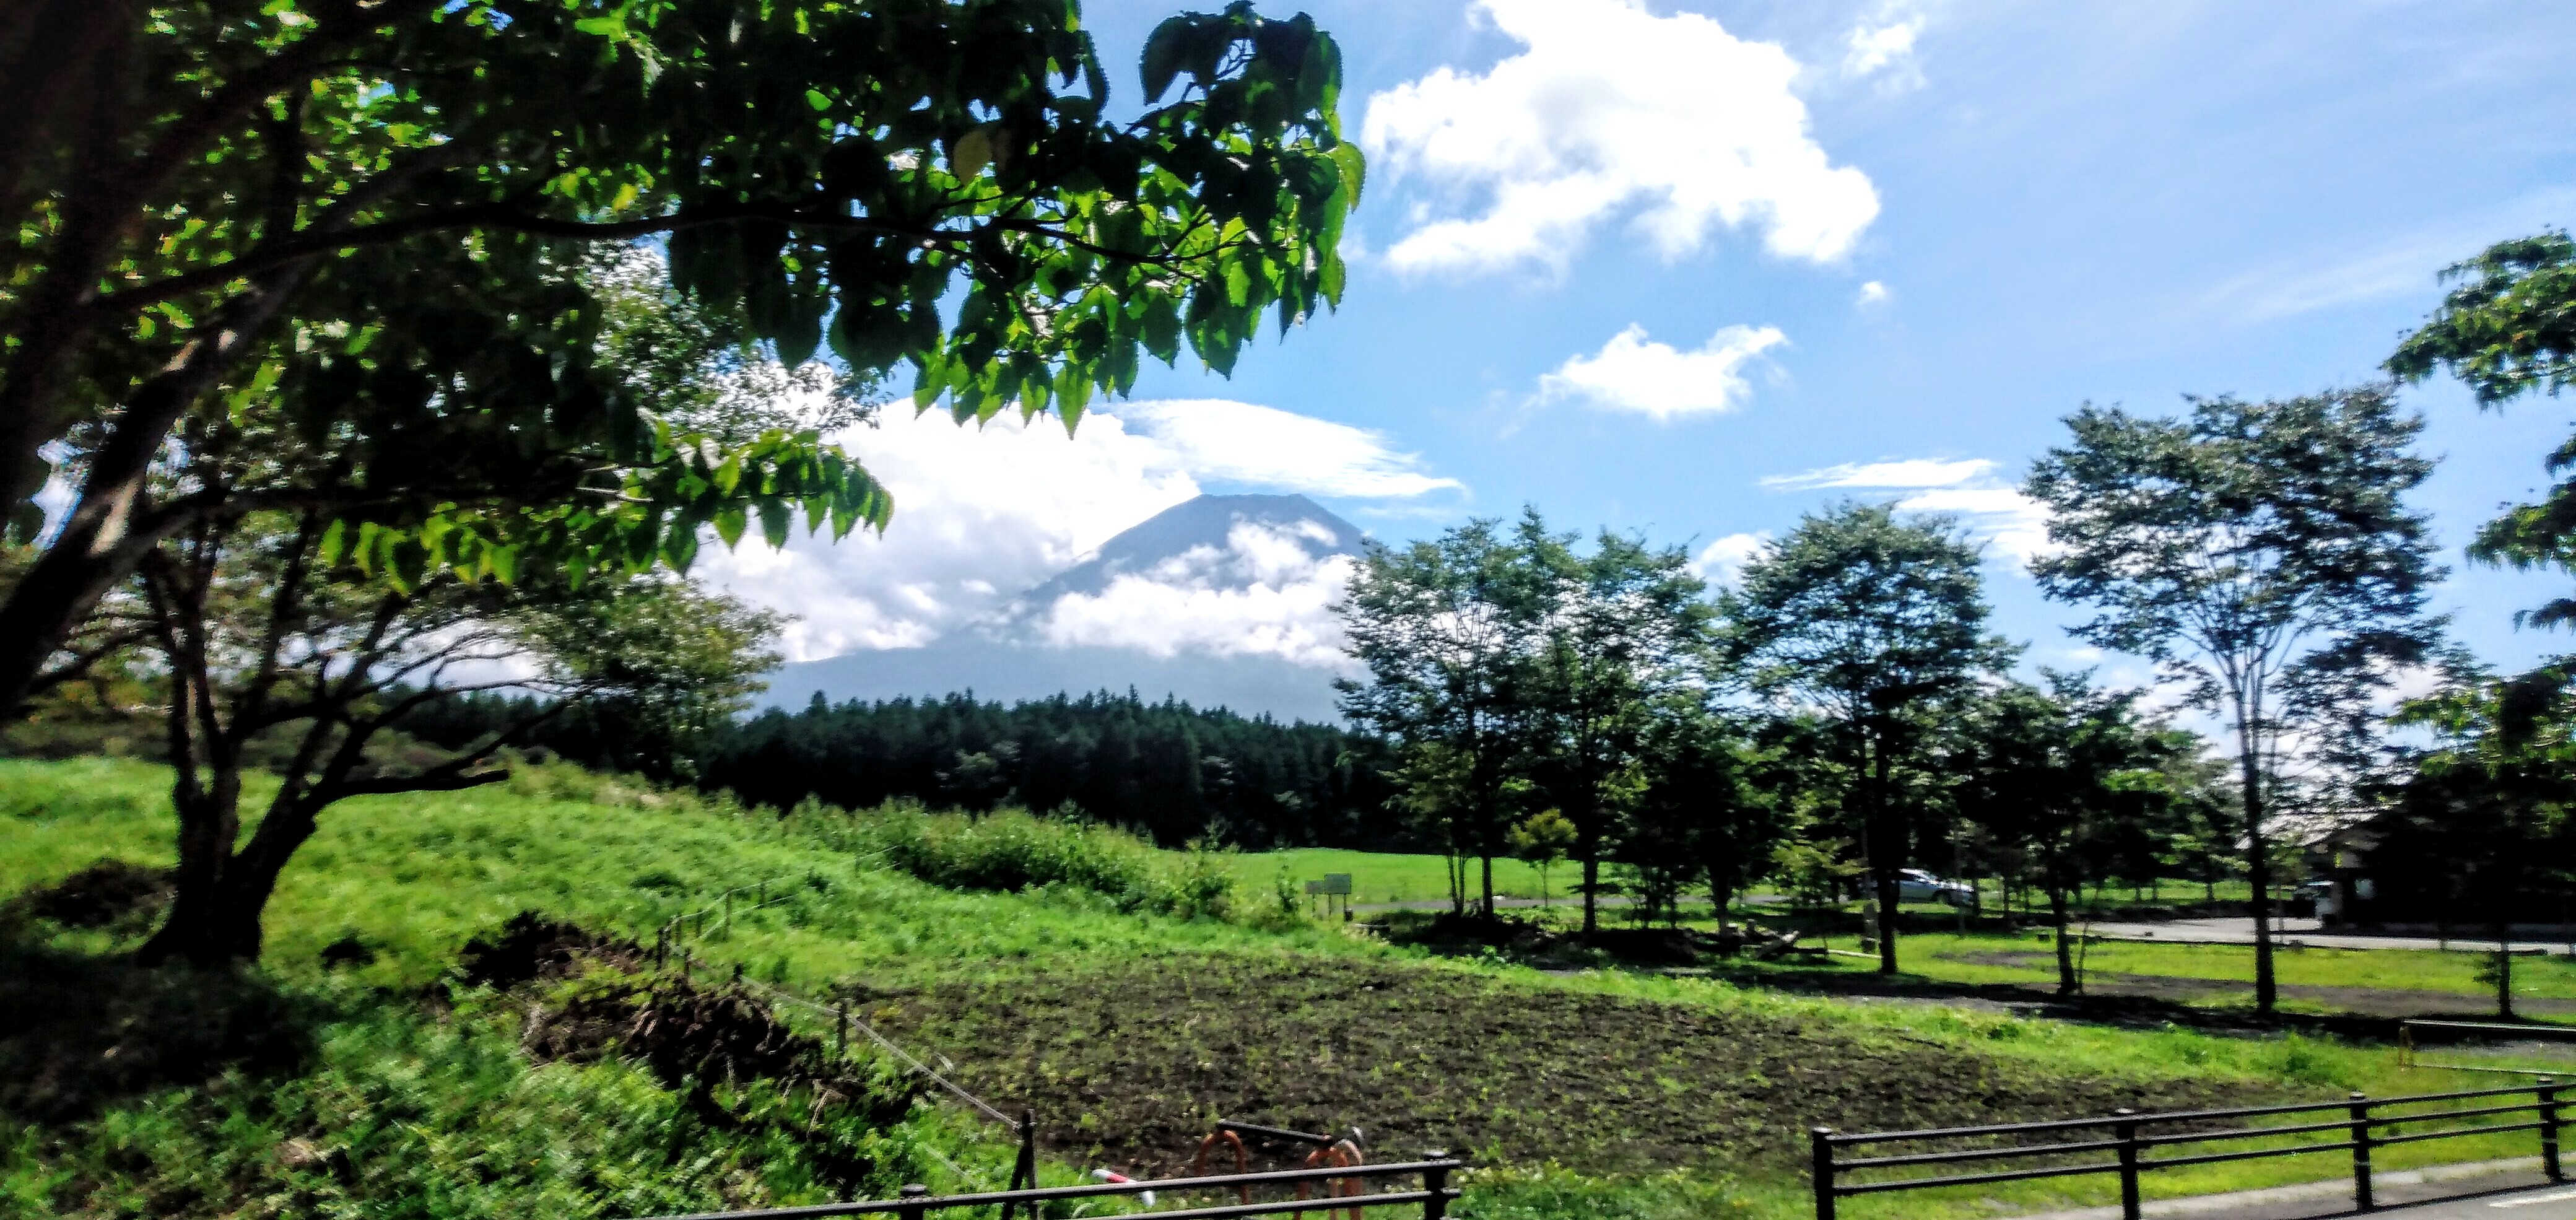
(1916, 885)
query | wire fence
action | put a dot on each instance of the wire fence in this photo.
(675, 933)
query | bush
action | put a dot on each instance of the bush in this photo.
(1013, 850)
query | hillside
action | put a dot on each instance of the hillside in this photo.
(392, 1087)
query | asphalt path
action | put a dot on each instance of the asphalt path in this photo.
(2240, 931)
(2493, 1190)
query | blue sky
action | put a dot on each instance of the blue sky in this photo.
(1627, 263)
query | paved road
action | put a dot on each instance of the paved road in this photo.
(2305, 932)
(2492, 1190)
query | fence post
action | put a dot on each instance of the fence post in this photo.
(911, 1210)
(2549, 1130)
(1820, 1143)
(2126, 1131)
(841, 1028)
(2361, 1153)
(1435, 1182)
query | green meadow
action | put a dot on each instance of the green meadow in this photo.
(1114, 989)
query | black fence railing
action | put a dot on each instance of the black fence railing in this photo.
(2121, 1143)
(1336, 1191)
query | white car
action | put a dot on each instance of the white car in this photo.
(1916, 885)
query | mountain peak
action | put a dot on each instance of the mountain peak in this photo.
(1223, 602)
(1207, 521)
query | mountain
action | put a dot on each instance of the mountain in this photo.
(1218, 600)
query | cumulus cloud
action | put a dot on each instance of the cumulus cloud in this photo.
(1884, 45)
(1720, 561)
(983, 514)
(1910, 472)
(1873, 293)
(1613, 112)
(1264, 594)
(1633, 373)
(980, 513)
(1244, 442)
(2010, 522)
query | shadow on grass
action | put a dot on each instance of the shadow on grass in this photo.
(79, 1031)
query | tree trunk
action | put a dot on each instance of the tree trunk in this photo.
(1887, 895)
(2258, 870)
(1887, 854)
(1489, 886)
(1591, 893)
(2067, 981)
(2504, 962)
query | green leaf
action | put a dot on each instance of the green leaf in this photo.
(971, 153)
(729, 521)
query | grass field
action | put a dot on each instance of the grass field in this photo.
(1390, 877)
(1600, 1093)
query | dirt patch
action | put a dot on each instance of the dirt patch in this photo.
(693, 1037)
(106, 894)
(589, 997)
(1131, 1065)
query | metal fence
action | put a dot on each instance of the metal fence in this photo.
(1344, 1191)
(2360, 1124)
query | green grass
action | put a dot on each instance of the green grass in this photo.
(435, 1113)
(1398, 877)
(1955, 958)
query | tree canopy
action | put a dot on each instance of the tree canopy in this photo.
(2264, 555)
(380, 212)
(1873, 622)
(2508, 329)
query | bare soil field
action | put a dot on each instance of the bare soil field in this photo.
(1130, 1065)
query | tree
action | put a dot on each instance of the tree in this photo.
(386, 204)
(264, 638)
(2486, 812)
(1447, 628)
(2509, 329)
(1540, 840)
(1700, 808)
(2260, 553)
(1875, 623)
(2053, 772)
(1619, 630)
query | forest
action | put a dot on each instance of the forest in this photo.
(1169, 771)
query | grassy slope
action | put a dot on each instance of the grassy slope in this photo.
(415, 876)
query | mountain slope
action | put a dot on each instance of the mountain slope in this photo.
(1218, 600)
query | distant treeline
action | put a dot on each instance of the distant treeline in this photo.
(1168, 770)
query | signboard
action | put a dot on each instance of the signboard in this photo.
(1336, 883)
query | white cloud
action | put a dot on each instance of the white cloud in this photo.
(982, 514)
(1265, 594)
(2009, 521)
(977, 511)
(1910, 472)
(1720, 561)
(1633, 373)
(1873, 293)
(2002, 516)
(1219, 439)
(1612, 111)
(1874, 47)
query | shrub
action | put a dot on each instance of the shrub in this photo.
(1013, 850)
